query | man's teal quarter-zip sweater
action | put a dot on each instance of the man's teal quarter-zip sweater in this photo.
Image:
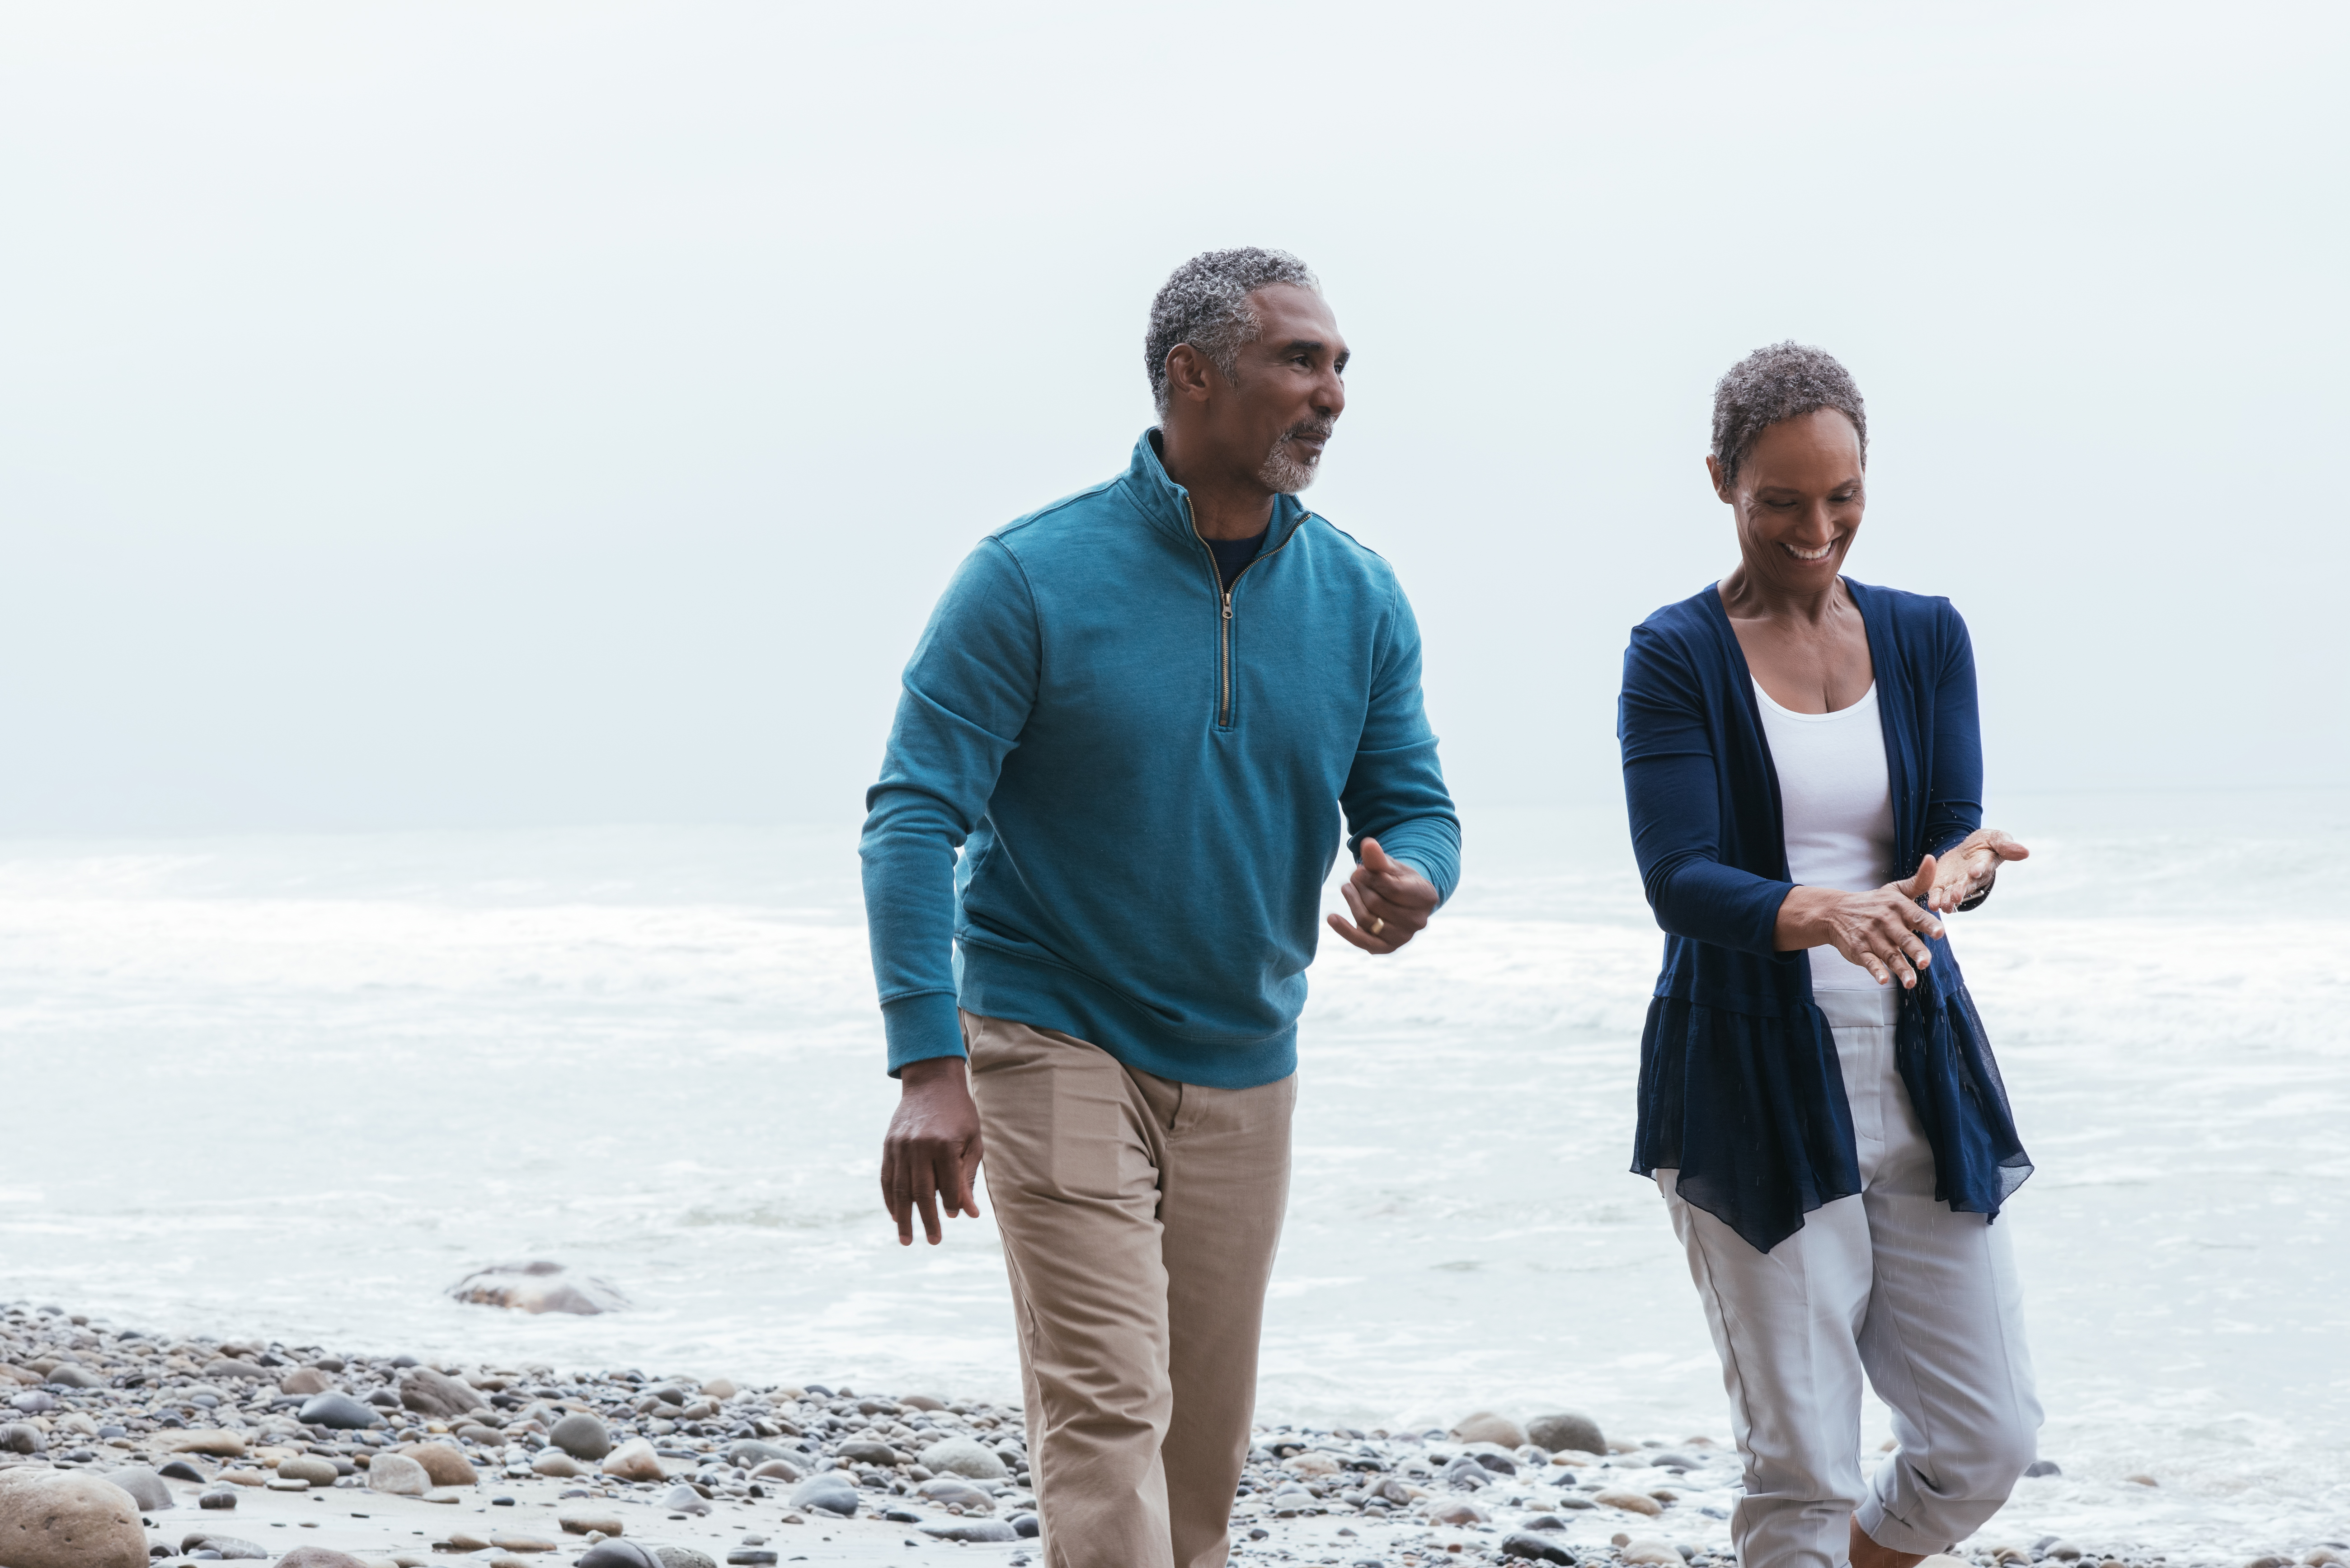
(1145, 771)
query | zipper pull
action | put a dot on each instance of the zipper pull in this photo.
(1228, 604)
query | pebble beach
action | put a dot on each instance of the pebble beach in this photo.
(122, 1447)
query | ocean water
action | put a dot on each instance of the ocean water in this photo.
(298, 1086)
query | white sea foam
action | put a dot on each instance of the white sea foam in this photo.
(298, 1086)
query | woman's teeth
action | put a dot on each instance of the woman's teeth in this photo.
(1819, 555)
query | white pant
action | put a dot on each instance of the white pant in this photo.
(1889, 1284)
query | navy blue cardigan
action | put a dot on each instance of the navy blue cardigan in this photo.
(1740, 1090)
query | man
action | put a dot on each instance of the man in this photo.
(1139, 712)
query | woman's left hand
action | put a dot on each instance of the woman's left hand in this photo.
(1967, 867)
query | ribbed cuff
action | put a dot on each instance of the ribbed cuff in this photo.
(922, 1027)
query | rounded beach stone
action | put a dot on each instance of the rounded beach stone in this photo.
(1566, 1430)
(973, 1530)
(305, 1380)
(1651, 1552)
(320, 1557)
(779, 1469)
(683, 1499)
(581, 1436)
(556, 1463)
(962, 1457)
(309, 1468)
(442, 1462)
(584, 1518)
(617, 1554)
(1485, 1426)
(861, 1451)
(829, 1490)
(21, 1438)
(1456, 1513)
(146, 1488)
(953, 1491)
(399, 1476)
(722, 1389)
(431, 1392)
(211, 1440)
(1530, 1548)
(339, 1412)
(1630, 1502)
(68, 1376)
(64, 1519)
(634, 1460)
(219, 1497)
(683, 1557)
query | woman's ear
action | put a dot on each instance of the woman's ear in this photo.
(1713, 472)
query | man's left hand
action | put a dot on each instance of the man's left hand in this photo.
(1390, 901)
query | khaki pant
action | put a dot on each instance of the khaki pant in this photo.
(1140, 1217)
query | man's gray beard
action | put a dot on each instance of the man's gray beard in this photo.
(1283, 474)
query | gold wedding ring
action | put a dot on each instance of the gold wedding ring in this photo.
(1377, 925)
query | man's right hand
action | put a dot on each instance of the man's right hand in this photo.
(931, 1152)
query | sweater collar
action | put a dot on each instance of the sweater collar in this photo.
(1164, 503)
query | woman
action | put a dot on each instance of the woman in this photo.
(1818, 1100)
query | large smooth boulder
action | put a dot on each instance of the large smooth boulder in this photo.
(431, 1392)
(146, 1488)
(66, 1519)
(581, 1436)
(443, 1462)
(962, 1457)
(1566, 1430)
(538, 1286)
(399, 1476)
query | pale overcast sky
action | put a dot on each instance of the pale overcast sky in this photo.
(499, 413)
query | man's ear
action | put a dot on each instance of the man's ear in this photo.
(1189, 373)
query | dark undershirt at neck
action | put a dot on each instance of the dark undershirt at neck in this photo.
(1232, 554)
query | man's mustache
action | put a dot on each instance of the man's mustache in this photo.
(1321, 429)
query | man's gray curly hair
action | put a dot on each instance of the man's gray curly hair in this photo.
(1784, 382)
(1204, 303)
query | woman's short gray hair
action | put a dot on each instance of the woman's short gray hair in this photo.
(1784, 382)
(1204, 303)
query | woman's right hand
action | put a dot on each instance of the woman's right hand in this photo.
(1883, 930)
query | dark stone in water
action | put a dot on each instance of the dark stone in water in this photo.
(1532, 1548)
(2042, 1468)
(220, 1497)
(538, 1286)
(182, 1470)
(1025, 1526)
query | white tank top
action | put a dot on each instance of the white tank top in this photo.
(1835, 801)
